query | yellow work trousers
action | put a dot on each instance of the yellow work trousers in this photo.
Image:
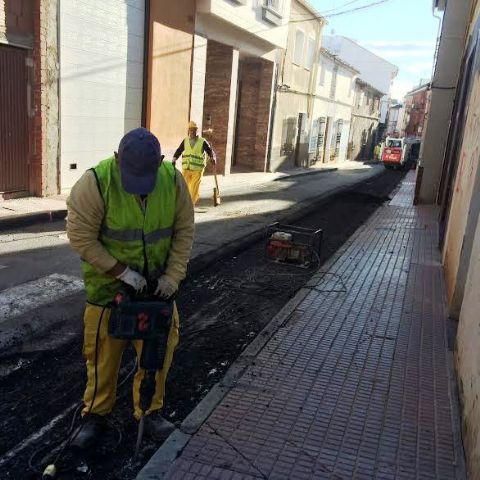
(193, 179)
(110, 351)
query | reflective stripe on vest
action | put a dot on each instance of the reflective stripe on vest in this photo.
(136, 237)
(193, 158)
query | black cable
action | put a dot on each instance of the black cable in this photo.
(78, 409)
(326, 12)
(73, 437)
(69, 434)
(321, 17)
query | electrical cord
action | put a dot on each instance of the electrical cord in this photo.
(344, 12)
(78, 408)
(337, 275)
(70, 437)
(318, 271)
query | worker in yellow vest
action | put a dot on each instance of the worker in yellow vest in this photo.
(131, 220)
(193, 150)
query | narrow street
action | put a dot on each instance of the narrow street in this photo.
(223, 307)
(199, 151)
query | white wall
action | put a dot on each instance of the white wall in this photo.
(297, 73)
(345, 84)
(326, 108)
(101, 77)
(374, 70)
(248, 17)
(340, 107)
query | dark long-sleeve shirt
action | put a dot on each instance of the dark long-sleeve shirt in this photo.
(206, 148)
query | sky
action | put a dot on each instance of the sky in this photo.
(404, 32)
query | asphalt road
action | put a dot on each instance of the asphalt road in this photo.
(41, 250)
(222, 309)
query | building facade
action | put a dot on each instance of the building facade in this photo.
(79, 70)
(86, 75)
(417, 103)
(364, 133)
(332, 111)
(255, 31)
(443, 90)
(260, 87)
(228, 86)
(458, 195)
(296, 90)
(375, 70)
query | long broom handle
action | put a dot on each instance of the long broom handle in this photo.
(215, 175)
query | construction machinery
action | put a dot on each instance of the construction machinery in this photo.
(293, 245)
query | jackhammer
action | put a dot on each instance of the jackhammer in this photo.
(143, 317)
(147, 318)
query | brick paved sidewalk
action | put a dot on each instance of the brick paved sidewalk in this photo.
(358, 382)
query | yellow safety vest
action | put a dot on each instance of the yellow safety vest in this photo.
(139, 239)
(193, 158)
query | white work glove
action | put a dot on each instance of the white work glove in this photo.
(166, 287)
(134, 279)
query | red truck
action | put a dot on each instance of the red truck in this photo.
(393, 152)
(400, 152)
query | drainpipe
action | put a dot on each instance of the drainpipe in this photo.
(313, 78)
(272, 118)
(59, 118)
(439, 38)
(312, 89)
(146, 52)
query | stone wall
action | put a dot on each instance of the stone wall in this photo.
(45, 161)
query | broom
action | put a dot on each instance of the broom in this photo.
(216, 191)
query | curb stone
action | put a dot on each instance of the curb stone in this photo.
(302, 174)
(163, 458)
(27, 219)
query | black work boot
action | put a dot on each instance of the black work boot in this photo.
(89, 432)
(157, 427)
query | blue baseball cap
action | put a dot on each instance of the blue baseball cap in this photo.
(139, 155)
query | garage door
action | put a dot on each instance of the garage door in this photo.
(14, 137)
(101, 78)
